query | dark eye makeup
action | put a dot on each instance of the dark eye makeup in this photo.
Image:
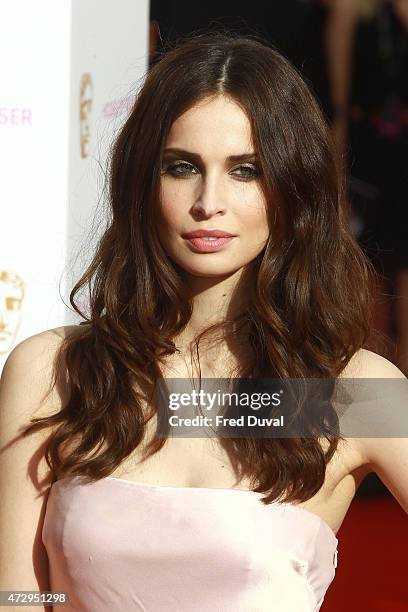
(250, 171)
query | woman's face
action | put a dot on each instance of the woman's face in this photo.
(203, 188)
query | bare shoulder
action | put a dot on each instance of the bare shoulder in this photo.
(367, 364)
(41, 345)
(27, 391)
(387, 456)
(29, 367)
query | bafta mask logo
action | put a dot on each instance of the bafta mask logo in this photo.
(85, 108)
(11, 298)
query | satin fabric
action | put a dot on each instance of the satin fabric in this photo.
(115, 545)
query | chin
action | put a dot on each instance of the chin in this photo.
(210, 274)
(207, 271)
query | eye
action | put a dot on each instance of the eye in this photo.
(251, 172)
(173, 168)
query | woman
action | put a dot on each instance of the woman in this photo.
(224, 135)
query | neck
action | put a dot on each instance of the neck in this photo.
(214, 300)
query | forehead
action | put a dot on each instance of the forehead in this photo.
(214, 122)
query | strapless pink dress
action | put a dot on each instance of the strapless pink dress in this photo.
(116, 545)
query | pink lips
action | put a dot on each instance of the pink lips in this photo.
(209, 246)
(197, 241)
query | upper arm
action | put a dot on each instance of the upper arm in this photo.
(387, 456)
(24, 475)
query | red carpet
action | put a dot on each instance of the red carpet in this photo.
(372, 570)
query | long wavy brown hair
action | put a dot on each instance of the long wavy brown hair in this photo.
(309, 290)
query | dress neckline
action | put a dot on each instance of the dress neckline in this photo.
(149, 486)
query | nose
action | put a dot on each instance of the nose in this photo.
(211, 200)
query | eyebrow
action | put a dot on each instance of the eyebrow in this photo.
(197, 158)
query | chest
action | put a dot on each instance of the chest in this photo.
(204, 463)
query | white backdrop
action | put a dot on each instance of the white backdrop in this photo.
(69, 73)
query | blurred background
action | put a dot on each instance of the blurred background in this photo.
(354, 55)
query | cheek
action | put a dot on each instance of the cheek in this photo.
(251, 202)
(254, 216)
(172, 205)
(169, 212)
